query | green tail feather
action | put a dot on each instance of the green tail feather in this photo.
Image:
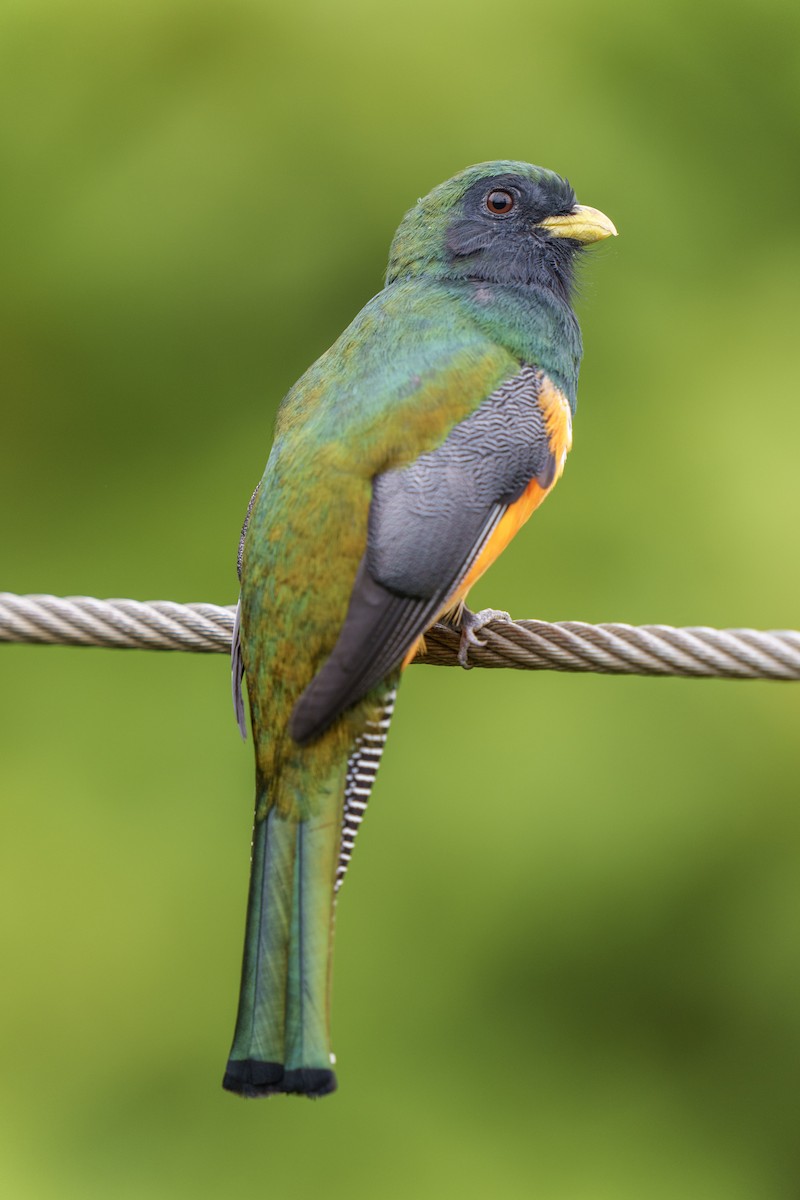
(282, 1039)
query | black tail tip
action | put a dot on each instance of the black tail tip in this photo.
(252, 1078)
(309, 1081)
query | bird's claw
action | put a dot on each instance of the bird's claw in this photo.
(470, 625)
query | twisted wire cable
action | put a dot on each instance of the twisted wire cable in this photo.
(610, 649)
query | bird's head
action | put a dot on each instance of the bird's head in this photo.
(499, 222)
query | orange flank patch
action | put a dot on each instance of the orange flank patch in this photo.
(558, 421)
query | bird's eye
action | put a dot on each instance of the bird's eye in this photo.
(499, 202)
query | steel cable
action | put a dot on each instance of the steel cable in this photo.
(611, 649)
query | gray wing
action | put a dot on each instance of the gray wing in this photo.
(428, 523)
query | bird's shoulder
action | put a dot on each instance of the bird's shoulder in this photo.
(409, 367)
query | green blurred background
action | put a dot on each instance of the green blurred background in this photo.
(568, 962)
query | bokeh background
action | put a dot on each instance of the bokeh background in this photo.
(568, 962)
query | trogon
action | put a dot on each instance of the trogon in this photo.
(404, 461)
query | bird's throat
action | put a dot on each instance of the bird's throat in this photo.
(533, 323)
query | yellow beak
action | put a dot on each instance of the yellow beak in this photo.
(584, 224)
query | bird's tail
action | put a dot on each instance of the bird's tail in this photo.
(282, 1040)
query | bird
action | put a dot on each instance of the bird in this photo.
(404, 461)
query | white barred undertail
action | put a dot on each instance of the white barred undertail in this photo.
(362, 767)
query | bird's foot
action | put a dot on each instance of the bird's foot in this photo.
(470, 625)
